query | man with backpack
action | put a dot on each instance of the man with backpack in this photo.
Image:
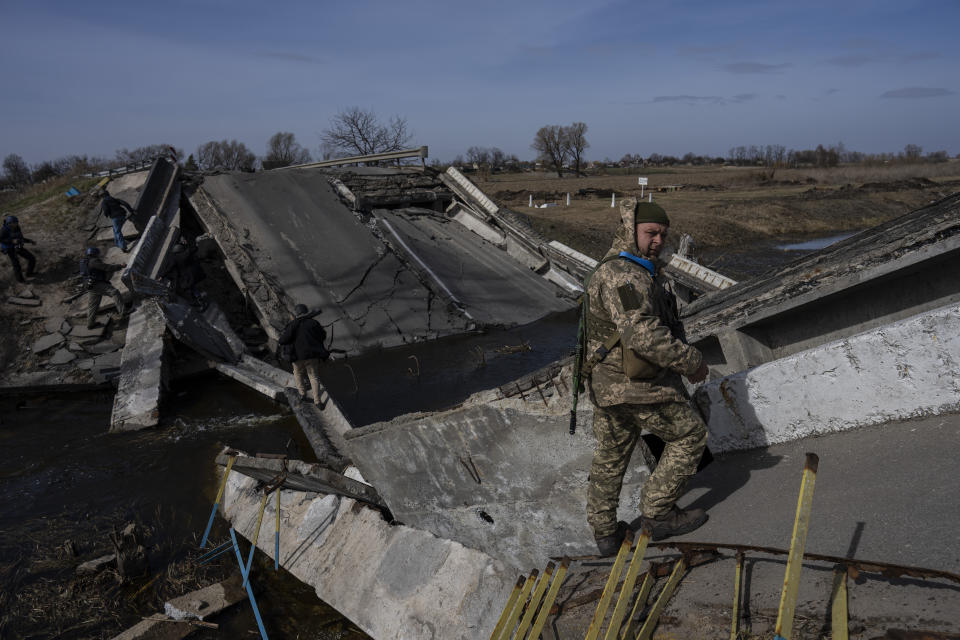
(11, 245)
(636, 351)
(303, 344)
(116, 209)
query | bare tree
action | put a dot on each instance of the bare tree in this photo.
(912, 152)
(225, 155)
(356, 131)
(478, 156)
(551, 146)
(577, 144)
(283, 150)
(16, 170)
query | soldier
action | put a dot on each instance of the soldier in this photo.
(11, 245)
(97, 277)
(116, 209)
(639, 353)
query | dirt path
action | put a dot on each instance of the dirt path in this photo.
(62, 228)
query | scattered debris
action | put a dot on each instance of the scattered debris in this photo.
(96, 565)
(47, 342)
(23, 302)
(62, 356)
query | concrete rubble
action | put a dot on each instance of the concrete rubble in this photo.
(206, 602)
(96, 565)
(47, 342)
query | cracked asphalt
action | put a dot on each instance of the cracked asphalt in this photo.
(389, 280)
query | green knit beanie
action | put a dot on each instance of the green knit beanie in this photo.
(650, 212)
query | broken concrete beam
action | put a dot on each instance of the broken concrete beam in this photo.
(137, 402)
(324, 427)
(96, 565)
(259, 376)
(47, 342)
(195, 331)
(351, 556)
(23, 302)
(208, 601)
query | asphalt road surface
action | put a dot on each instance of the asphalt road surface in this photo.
(397, 278)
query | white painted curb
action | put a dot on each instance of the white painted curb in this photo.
(902, 370)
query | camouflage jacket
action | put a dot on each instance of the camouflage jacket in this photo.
(643, 309)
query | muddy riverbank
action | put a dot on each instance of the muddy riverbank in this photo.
(67, 483)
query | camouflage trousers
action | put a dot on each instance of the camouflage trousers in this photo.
(95, 293)
(617, 429)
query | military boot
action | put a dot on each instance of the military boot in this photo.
(609, 545)
(675, 522)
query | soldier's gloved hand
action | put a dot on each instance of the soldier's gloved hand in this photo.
(699, 375)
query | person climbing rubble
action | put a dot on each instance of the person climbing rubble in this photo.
(638, 353)
(185, 272)
(116, 209)
(11, 245)
(97, 276)
(303, 344)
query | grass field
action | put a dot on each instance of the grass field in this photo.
(726, 207)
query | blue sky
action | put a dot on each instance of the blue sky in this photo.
(665, 77)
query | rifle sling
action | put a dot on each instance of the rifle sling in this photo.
(601, 352)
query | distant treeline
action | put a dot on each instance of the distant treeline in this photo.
(775, 155)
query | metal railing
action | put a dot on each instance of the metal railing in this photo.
(420, 152)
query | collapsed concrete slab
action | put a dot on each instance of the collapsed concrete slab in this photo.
(887, 273)
(383, 277)
(501, 473)
(137, 402)
(423, 586)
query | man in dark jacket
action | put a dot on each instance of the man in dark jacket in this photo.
(11, 245)
(97, 274)
(307, 339)
(116, 209)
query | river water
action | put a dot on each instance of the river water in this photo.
(66, 478)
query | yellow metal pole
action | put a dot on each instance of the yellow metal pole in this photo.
(507, 608)
(639, 603)
(511, 622)
(627, 591)
(738, 579)
(791, 580)
(610, 587)
(535, 600)
(216, 503)
(548, 601)
(839, 612)
(646, 631)
(256, 536)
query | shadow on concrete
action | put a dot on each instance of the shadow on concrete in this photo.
(727, 474)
